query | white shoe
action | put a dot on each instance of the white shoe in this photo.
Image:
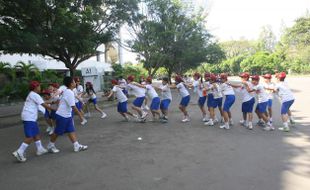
(267, 128)
(144, 114)
(53, 149)
(209, 123)
(41, 151)
(216, 120)
(285, 129)
(51, 131)
(186, 119)
(242, 122)
(222, 126)
(205, 119)
(146, 108)
(84, 121)
(19, 157)
(250, 127)
(104, 115)
(48, 129)
(260, 123)
(80, 148)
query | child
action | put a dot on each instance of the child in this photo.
(261, 107)
(140, 96)
(93, 99)
(217, 99)
(122, 100)
(123, 83)
(248, 100)
(269, 85)
(29, 116)
(229, 100)
(201, 92)
(78, 91)
(166, 98)
(210, 97)
(142, 81)
(185, 97)
(287, 99)
(47, 95)
(64, 120)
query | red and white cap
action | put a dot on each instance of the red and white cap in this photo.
(33, 85)
(267, 76)
(255, 77)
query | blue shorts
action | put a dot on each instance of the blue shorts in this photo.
(286, 106)
(63, 125)
(262, 107)
(155, 103)
(217, 102)
(185, 101)
(31, 129)
(94, 101)
(247, 107)
(202, 101)
(210, 100)
(79, 105)
(269, 103)
(229, 101)
(138, 101)
(47, 114)
(122, 107)
(164, 104)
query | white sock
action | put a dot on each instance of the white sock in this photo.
(22, 148)
(76, 144)
(39, 145)
(51, 144)
(250, 123)
(285, 124)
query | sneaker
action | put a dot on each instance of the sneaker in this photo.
(144, 114)
(186, 119)
(51, 131)
(250, 127)
(126, 119)
(272, 128)
(104, 115)
(267, 128)
(292, 122)
(224, 127)
(19, 157)
(48, 129)
(260, 123)
(209, 123)
(216, 120)
(146, 108)
(41, 151)
(205, 119)
(231, 123)
(242, 123)
(164, 119)
(285, 129)
(53, 149)
(80, 148)
(84, 121)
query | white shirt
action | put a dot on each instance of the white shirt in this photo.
(216, 91)
(227, 89)
(284, 92)
(165, 92)
(261, 93)
(269, 85)
(66, 103)
(151, 92)
(198, 87)
(121, 97)
(182, 89)
(135, 90)
(75, 95)
(208, 86)
(31, 107)
(246, 96)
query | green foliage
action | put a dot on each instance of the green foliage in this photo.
(66, 30)
(118, 70)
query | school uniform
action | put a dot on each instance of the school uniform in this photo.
(262, 98)
(184, 94)
(152, 94)
(121, 98)
(217, 96)
(267, 86)
(248, 98)
(286, 96)
(138, 92)
(198, 87)
(229, 94)
(166, 97)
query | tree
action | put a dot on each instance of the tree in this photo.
(238, 47)
(27, 69)
(266, 40)
(69, 30)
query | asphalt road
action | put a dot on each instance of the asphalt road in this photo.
(168, 156)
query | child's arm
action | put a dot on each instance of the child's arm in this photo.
(138, 85)
(45, 105)
(234, 85)
(111, 94)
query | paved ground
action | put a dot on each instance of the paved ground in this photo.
(169, 156)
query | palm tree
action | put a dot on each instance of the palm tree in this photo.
(27, 69)
(4, 67)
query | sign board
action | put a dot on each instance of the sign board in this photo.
(89, 71)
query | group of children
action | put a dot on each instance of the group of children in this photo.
(60, 104)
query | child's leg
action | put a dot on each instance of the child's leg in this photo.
(98, 109)
(203, 111)
(137, 109)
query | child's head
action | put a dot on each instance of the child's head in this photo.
(130, 78)
(89, 85)
(255, 79)
(207, 76)
(69, 82)
(213, 78)
(35, 86)
(114, 82)
(178, 79)
(223, 77)
(245, 76)
(196, 76)
(165, 81)
(148, 80)
(46, 94)
(77, 80)
(281, 76)
(51, 87)
(267, 77)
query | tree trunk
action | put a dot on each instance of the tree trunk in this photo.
(169, 75)
(71, 68)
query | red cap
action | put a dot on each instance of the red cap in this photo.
(149, 79)
(130, 78)
(267, 76)
(114, 82)
(281, 75)
(76, 79)
(255, 77)
(46, 91)
(55, 85)
(223, 76)
(207, 75)
(197, 75)
(245, 75)
(33, 85)
(178, 79)
(213, 77)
